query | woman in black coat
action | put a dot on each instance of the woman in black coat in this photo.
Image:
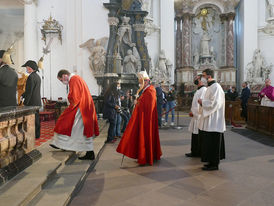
(110, 110)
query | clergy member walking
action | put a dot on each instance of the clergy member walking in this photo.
(141, 138)
(78, 123)
(193, 126)
(212, 123)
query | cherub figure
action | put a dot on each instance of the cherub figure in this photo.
(97, 58)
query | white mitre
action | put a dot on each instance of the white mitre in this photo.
(142, 75)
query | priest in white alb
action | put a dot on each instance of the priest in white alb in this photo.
(212, 123)
(193, 126)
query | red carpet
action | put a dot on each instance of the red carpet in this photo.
(46, 132)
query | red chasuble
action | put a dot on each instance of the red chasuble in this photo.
(78, 97)
(141, 138)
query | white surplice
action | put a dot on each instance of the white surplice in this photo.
(77, 141)
(195, 107)
(213, 110)
(267, 102)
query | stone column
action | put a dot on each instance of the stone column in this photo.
(30, 31)
(178, 20)
(113, 26)
(223, 18)
(186, 40)
(139, 36)
(230, 41)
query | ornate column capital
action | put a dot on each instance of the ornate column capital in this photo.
(113, 21)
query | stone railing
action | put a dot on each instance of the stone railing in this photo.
(17, 140)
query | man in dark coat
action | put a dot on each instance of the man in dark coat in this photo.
(244, 97)
(8, 83)
(32, 96)
(160, 102)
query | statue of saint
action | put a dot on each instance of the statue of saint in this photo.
(124, 36)
(205, 44)
(130, 63)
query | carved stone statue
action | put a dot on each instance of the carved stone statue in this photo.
(130, 63)
(270, 8)
(97, 58)
(204, 49)
(124, 37)
(257, 70)
(162, 72)
(137, 56)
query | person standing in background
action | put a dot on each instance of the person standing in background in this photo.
(32, 94)
(244, 97)
(195, 117)
(170, 105)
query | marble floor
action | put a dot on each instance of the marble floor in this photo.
(244, 178)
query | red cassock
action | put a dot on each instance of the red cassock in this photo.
(141, 138)
(78, 97)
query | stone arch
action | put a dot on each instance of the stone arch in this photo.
(215, 5)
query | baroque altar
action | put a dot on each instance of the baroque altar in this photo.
(205, 39)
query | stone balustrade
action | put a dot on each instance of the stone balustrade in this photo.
(17, 140)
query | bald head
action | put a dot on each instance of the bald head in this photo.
(267, 82)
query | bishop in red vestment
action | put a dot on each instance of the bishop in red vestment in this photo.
(141, 138)
(78, 123)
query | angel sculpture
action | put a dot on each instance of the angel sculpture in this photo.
(97, 58)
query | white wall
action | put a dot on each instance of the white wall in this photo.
(82, 20)
(163, 17)
(250, 30)
(265, 41)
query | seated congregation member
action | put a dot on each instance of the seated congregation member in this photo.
(32, 94)
(195, 117)
(267, 94)
(8, 82)
(212, 122)
(78, 124)
(141, 138)
(111, 106)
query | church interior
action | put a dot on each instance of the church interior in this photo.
(109, 41)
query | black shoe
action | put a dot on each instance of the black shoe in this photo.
(89, 156)
(53, 146)
(210, 168)
(189, 155)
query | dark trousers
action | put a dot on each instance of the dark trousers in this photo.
(125, 117)
(213, 147)
(159, 111)
(37, 125)
(111, 129)
(196, 145)
(244, 111)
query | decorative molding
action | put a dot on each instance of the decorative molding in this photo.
(139, 27)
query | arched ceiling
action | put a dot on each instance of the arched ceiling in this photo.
(190, 6)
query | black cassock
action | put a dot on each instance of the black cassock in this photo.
(212, 147)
